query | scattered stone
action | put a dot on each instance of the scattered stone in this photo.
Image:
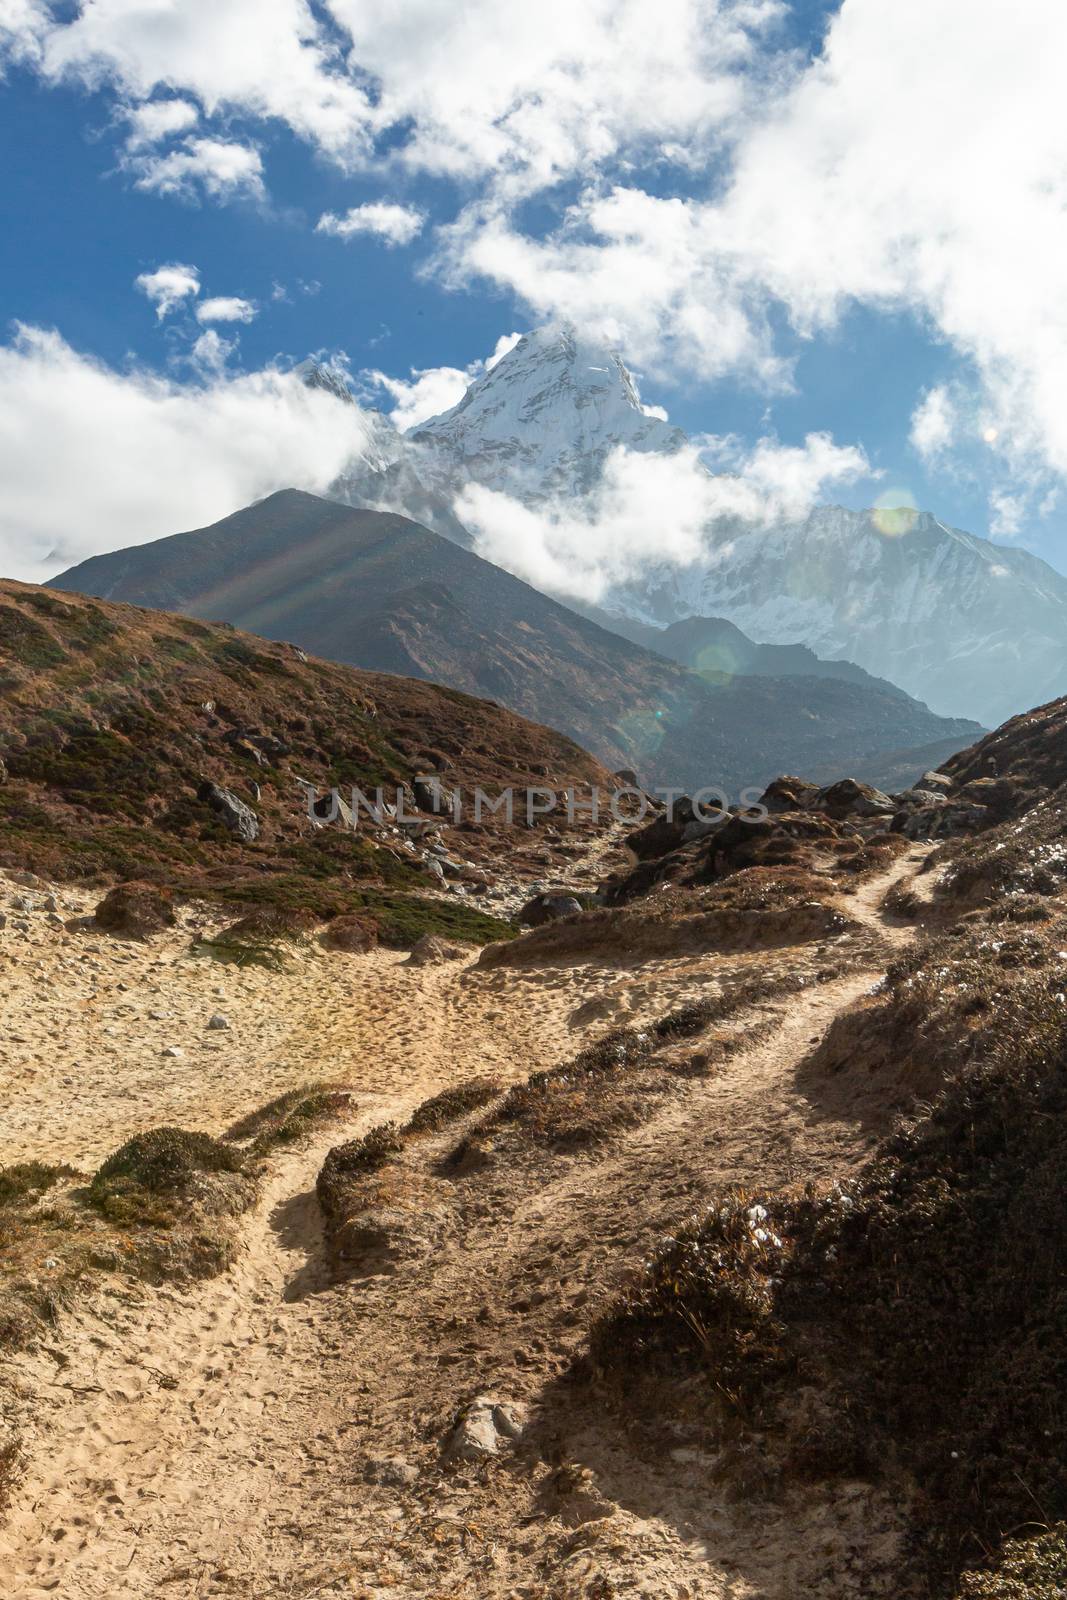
(481, 1427)
(548, 907)
(240, 819)
(218, 1022)
(430, 951)
(392, 1471)
(173, 1051)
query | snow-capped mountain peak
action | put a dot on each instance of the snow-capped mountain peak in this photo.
(545, 416)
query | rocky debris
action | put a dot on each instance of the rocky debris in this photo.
(174, 1052)
(935, 780)
(240, 819)
(572, 1495)
(627, 776)
(430, 951)
(391, 1471)
(848, 798)
(135, 910)
(351, 932)
(218, 1023)
(550, 906)
(431, 795)
(942, 821)
(480, 1429)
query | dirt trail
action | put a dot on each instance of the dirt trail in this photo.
(230, 1440)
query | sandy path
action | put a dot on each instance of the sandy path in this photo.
(216, 1442)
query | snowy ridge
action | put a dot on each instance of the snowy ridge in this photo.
(544, 418)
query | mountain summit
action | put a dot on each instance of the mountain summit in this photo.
(545, 417)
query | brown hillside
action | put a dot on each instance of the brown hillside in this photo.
(114, 718)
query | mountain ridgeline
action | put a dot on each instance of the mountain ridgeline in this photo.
(973, 629)
(381, 592)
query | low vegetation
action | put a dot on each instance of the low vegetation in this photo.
(922, 1302)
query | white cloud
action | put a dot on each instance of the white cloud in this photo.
(159, 119)
(531, 95)
(394, 224)
(263, 58)
(210, 353)
(651, 510)
(1006, 513)
(169, 286)
(934, 423)
(506, 342)
(225, 308)
(93, 459)
(222, 169)
(431, 390)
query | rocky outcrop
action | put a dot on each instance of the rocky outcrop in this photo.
(240, 819)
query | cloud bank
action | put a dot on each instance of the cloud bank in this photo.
(93, 459)
(652, 510)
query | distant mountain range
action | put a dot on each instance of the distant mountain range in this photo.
(972, 628)
(380, 591)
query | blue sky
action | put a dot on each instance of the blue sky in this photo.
(760, 286)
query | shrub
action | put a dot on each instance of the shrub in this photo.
(347, 1164)
(136, 910)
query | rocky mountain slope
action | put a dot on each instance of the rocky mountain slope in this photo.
(138, 745)
(972, 628)
(545, 417)
(382, 592)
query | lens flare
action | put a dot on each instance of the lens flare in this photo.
(894, 513)
(990, 435)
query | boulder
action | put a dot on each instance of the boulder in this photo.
(788, 794)
(935, 780)
(135, 910)
(913, 799)
(848, 798)
(942, 821)
(481, 1428)
(627, 777)
(433, 952)
(548, 907)
(240, 819)
(430, 795)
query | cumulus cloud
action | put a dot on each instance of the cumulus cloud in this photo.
(394, 224)
(157, 120)
(93, 459)
(531, 95)
(225, 308)
(651, 510)
(934, 423)
(219, 168)
(431, 390)
(168, 287)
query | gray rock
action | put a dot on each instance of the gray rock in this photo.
(218, 1022)
(480, 1429)
(173, 1051)
(393, 1471)
(935, 780)
(240, 819)
(548, 907)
